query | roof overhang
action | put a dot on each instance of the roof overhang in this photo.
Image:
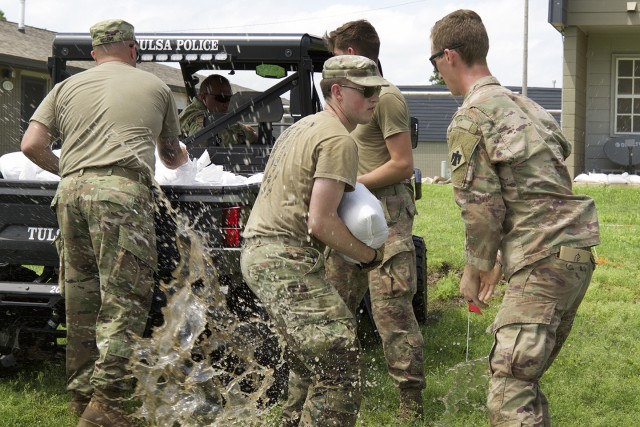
(23, 63)
(558, 14)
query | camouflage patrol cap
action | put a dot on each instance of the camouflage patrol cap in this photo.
(111, 31)
(357, 69)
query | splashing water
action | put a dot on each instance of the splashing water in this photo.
(469, 388)
(202, 366)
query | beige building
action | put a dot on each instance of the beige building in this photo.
(601, 82)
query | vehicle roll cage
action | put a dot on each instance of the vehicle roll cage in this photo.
(299, 55)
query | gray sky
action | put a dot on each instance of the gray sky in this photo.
(403, 27)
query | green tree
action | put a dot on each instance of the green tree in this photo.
(2, 17)
(435, 78)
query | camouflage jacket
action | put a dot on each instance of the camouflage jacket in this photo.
(507, 158)
(192, 120)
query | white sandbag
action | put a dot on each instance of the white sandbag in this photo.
(211, 175)
(204, 160)
(183, 175)
(618, 179)
(634, 179)
(32, 172)
(11, 164)
(582, 178)
(255, 179)
(229, 178)
(600, 178)
(363, 215)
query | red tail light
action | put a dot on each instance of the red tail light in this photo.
(232, 227)
(232, 217)
(232, 237)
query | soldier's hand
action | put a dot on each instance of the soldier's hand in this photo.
(488, 281)
(470, 285)
(375, 262)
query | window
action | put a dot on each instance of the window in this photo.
(627, 96)
(33, 92)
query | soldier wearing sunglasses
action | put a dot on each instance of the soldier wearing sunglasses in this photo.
(213, 100)
(293, 220)
(521, 220)
(385, 164)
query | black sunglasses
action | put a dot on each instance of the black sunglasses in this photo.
(219, 97)
(367, 91)
(439, 53)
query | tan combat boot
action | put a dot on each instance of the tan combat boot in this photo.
(78, 404)
(411, 406)
(104, 413)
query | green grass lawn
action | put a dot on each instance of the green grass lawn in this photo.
(594, 382)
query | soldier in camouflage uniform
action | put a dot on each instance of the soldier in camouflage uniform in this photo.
(213, 101)
(294, 218)
(385, 165)
(107, 244)
(507, 158)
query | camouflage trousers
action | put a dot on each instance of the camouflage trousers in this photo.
(317, 327)
(392, 287)
(107, 250)
(533, 322)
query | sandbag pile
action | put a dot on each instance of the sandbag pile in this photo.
(603, 178)
(198, 172)
(16, 166)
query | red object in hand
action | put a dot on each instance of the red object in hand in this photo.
(474, 309)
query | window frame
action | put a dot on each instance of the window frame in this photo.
(634, 97)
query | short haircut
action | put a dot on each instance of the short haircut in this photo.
(326, 84)
(360, 35)
(120, 49)
(210, 80)
(463, 27)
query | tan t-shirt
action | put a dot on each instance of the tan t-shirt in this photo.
(111, 114)
(391, 116)
(317, 146)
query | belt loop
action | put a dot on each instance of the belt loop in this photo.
(110, 171)
(81, 172)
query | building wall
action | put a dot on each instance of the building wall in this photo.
(9, 116)
(10, 107)
(594, 32)
(574, 96)
(600, 95)
(428, 156)
(600, 13)
(11, 104)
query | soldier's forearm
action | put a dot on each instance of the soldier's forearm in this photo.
(172, 154)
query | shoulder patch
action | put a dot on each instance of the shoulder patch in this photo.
(456, 158)
(200, 121)
(462, 144)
